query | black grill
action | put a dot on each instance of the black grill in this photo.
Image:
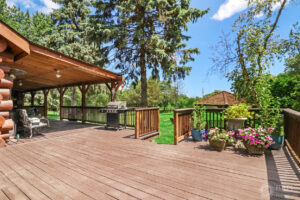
(113, 111)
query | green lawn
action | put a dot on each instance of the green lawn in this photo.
(166, 129)
(53, 114)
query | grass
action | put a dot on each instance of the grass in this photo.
(53, 115)
(166, 129)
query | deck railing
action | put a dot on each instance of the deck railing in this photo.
(94, 115)
(147, 121)
(214, 117)
(40, 109)
(182, 123)
(292, 132)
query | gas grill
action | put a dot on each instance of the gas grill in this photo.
(113, 111)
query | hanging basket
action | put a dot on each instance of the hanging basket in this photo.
(252, 149)
(218, 145)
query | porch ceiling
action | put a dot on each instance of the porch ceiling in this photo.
(40, 65)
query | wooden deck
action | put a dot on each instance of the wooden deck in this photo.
(75, 161)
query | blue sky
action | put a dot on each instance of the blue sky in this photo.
(205, 34)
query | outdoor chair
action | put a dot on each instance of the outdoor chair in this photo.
(32, 123)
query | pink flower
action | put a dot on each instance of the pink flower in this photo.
(251, 143)
(268, 145)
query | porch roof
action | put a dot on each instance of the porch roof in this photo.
(41, 64)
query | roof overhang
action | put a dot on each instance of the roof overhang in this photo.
(41, 65)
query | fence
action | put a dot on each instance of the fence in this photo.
(147, 122)
(292, 132)
(214, 117)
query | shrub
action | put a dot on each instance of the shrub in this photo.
(237, 111)
(198, 118)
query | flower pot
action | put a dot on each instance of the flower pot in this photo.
(218, 145)
(197, 135)
(236, 123)
(278, 142)
(252, 149)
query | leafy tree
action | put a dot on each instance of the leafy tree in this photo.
(148, 35)
(254, 49)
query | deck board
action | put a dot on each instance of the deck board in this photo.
(76, 161)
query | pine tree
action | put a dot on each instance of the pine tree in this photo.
(70, 35)
(147, 34)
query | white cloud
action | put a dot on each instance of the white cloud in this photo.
(49, 6)
(45, 6)
(229, 8)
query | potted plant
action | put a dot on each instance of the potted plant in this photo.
(198, 123)
(255, 140)
(236, 115)
(218, 139)
(278, 137)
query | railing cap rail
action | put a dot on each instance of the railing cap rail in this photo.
(184, 110)
(147, 108)
(292, 113)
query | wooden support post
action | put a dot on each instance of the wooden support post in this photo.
(113, 87)
(84, 89)
(61, 101)
(46, 92)
(32, 98)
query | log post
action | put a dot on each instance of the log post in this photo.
(6, 105)
(61, 101)
(46, 92)
(84, 89)
(32, 98)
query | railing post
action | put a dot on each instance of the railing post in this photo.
(137, 124)
(158, 121)
(175, 127)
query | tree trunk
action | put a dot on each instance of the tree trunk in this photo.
(144, 95)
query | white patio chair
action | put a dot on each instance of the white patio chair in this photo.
(32, 123)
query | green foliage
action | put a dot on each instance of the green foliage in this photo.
(198, 120)
(237, 111)
(217, 134)
(147, 35)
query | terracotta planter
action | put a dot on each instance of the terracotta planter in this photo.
(252, 149)
(236, 123)
(218, 145)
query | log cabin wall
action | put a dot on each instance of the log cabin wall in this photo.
(6, 104)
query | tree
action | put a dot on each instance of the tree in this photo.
(71, 31)
(254, 49)
(148, 35)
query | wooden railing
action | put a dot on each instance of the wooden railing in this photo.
(94, 115)
(182, 123)
(214, 117)
(40, 109)
(292, 132)
(147, 122)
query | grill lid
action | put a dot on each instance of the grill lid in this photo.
(116, 105)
